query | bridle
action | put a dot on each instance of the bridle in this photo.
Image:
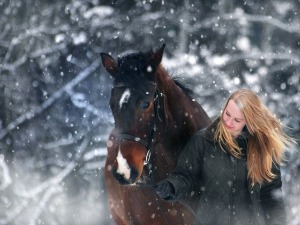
(159, 104)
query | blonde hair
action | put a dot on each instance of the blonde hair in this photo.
(267, 141)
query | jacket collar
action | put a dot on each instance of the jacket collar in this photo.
(211, 130)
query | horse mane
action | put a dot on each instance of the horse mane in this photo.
(183, 86)
(134, 69)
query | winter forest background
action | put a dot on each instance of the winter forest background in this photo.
(54, 91)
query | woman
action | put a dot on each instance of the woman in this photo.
(237, 159)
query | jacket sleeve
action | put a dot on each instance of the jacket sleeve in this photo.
(272, 199)
(185, 175)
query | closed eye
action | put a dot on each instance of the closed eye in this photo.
(145, 105)
(236, 120)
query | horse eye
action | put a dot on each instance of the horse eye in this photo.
(145, 104)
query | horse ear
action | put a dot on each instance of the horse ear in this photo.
(157, 56)
(109, 64)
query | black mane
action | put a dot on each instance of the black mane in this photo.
(183, 86)
(135, 70)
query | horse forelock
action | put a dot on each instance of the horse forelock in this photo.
(135, 69)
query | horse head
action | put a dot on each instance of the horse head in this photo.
(135, 103)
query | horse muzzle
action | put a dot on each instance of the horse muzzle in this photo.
(130, 177)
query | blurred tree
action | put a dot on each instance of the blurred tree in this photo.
(54, 116)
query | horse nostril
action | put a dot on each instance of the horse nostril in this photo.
(120, 177)
(124, 181)
(133, 175)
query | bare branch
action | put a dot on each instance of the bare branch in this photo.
(251, 18)
(38, 110)
(264, 19)
(293, 59)
(42, 204)
(54, 181)
(5, 178)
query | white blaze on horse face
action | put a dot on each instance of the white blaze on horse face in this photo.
(125, 97)
(123, 167)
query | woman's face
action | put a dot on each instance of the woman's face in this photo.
(233, 118)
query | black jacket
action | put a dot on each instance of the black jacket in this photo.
(226, 195)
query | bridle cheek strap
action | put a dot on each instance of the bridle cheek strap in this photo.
(148, 144)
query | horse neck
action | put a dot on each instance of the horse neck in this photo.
(169, 88)
(178, 127)
(184, 112)
(184, 117)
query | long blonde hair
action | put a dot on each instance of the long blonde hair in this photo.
(267, 141)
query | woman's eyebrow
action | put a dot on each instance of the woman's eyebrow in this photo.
(240, 119)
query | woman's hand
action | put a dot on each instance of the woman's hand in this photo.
(165, 190)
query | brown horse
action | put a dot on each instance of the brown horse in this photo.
(154, 117)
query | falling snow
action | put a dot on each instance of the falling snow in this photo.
(55, 118)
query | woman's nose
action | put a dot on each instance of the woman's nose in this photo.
(230, 122)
